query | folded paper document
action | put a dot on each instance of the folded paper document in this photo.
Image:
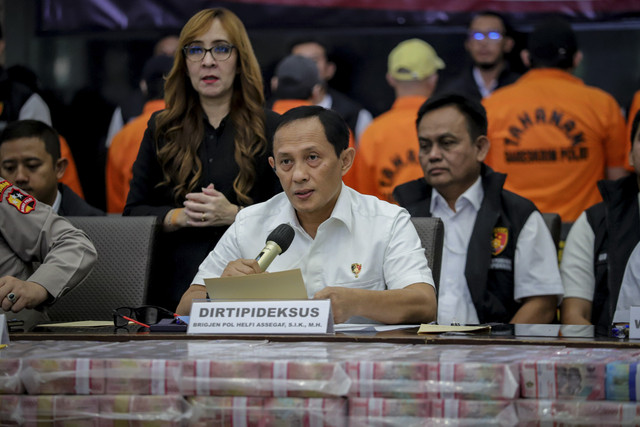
(440, 329)
(282, 285)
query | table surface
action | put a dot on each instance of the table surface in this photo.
(520, 335)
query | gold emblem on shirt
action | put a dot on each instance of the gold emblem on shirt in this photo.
(355, 268)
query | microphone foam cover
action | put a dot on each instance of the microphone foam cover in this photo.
(282, 236)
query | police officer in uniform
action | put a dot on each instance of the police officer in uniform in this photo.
(30, 232)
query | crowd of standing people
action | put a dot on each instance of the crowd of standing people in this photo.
(487, 151)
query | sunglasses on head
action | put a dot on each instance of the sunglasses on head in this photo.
(145, 315)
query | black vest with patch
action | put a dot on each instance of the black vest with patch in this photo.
(616, 224)
(502, 214)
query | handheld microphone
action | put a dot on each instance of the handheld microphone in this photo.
(278, 241)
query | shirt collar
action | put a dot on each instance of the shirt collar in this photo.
(484, 90)
(473, 195)
(555, 73)
(409, 101)
(341, 212)
(57, 202)
(209, 128)
(342, 209)
(326, 102)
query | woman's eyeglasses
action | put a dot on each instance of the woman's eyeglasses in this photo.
(145, 315)
(196, 52)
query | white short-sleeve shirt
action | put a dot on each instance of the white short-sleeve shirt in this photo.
(629, 289)
(361, 230)
(536, 264)
(577, 270)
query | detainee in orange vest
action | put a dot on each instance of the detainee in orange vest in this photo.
(554, 136)
(388, 148)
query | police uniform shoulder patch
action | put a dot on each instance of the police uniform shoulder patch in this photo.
(3, 186)
(22, 201)
(500, 240)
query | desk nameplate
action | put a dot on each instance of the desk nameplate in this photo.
(261, 317)
(634, 322)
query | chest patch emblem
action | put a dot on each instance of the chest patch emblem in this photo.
(356, 268)
(500, 240)
(23, 202)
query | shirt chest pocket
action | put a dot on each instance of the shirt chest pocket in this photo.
(371, 284)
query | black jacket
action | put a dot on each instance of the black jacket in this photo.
(489, 267)
(616, 225)
(346, 107)
(465, 84)
(73, 205)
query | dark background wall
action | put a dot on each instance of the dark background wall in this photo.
(88, 54)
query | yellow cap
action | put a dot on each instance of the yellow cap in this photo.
(413, 59)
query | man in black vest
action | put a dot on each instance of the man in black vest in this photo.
(598, 248)
(499, 261)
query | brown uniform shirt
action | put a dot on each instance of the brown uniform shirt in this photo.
(37, 245)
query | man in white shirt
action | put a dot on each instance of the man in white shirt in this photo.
(599, 246)
(630, 288)
(361, 253)
(499, 261)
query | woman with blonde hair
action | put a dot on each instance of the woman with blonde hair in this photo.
(205, 156)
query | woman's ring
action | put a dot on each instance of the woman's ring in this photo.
(11, 297)
(203, 219)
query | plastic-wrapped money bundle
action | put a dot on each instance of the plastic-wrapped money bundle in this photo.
(222, 378)
(63, 376)
(419, 412)
(258, 411)
(364, 409)
(80, 411)
(393, 379)
(307, 379)
(10, 382)
(329, 412)
(225, 411)
(143, 410)
(576, 412)
(142, 376)
(9, 409)
(557, 378)
(623, 380)
(424, 379)
(277, 378)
